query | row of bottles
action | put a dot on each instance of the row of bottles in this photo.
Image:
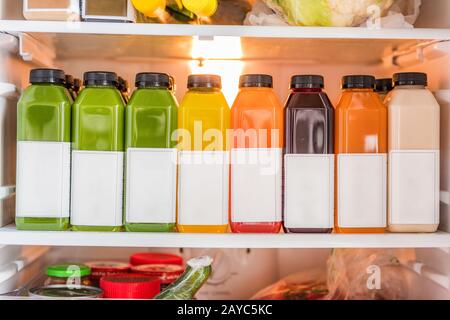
(310, 167)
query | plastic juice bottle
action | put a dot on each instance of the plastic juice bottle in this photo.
(203, 176)
(256, 157)
(414, 118)
(151, 174)
(43, 153)
(309, 157)
(97, 155)
(360, 146)
(383, 87)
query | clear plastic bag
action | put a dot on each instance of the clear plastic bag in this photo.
(369, 274)
(351, 274)
(396, 14)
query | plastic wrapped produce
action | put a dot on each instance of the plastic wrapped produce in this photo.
(335, 13)
(352, 274)
(186, 286)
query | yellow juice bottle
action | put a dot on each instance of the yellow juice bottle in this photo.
(203, 177)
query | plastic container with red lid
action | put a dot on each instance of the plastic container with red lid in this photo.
(167, 273)
(130, 286)
(155, 258)
(101, 269)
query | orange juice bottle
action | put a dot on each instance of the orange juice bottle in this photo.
(203, 176)
(256, 157)
(360, 147)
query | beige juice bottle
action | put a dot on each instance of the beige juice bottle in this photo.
(413, 141)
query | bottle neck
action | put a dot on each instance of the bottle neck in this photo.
(416, 86)
(367, 90)
(306, 90)
(101, 86)
(204, 90)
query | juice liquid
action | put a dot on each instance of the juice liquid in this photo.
(203, 119)
(257, 123)
(43, 153)
(151, 121)
(309, 157)
(360, 141)
(413, 155)
(97, 155)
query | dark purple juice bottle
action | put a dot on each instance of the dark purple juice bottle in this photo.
(309, 160)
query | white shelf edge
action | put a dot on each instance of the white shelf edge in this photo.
(215, 30)
(10, 236)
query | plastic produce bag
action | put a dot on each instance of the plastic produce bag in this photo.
(352, 274)
(186, 286)
(335, 13)
(403, 14)
(369, 274)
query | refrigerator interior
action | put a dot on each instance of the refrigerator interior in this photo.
(247, 264)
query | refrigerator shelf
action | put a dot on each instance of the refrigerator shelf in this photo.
(219, 30)
(10, 236)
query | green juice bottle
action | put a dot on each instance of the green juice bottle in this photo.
(151, 174)
(98, 155)
(43, 153)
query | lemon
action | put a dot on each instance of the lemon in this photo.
(202, 8)
(149, 7)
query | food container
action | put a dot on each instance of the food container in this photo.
(155, 258)
(101, 269)
(58, 10)
(71, 274)
(108, 10)
(65, 292)
(167, 273)
(130, 286)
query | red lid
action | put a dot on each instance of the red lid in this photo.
(108, 267)
(130, 286)
(167, 273)
(155, 258)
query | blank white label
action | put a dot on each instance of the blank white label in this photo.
(362, 190)
(256, 177)
(151, 185)
(43, 179)
(309, 190)
(414, 187)
(97, 185)
(203, 188)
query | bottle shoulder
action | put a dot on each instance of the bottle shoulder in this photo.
(150, 98)
(38, 94)
(411, 98)
(99, 97)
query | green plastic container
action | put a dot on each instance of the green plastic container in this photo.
(151, 121)
(43, 153)
(98, 155)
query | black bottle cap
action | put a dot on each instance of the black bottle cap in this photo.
(100, 78)
(358, 82)
(204, 81)
(307, 81)
(383, 85)
(47, 76)
(255, 81)
(69, 81)
(152, 80)
(410, 78)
